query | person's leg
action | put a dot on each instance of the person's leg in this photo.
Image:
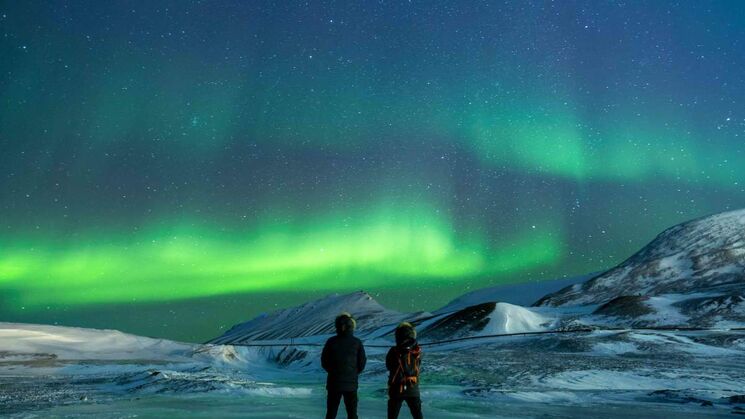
(332, 404)
(350, 402)
(415, 406)
(394, 406)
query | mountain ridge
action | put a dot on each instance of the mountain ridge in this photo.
(704, 254)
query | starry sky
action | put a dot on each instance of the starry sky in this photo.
(170, 168)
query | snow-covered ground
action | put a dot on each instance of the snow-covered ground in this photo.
(73, 343)
(71, 372)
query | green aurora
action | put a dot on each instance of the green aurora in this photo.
(193, 261)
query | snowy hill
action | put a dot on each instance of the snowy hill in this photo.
(523, 294)
(483, 320)
(706, 255)
(46, 345)
(472, 315)
(33, 342)
(43, 366)
(314, 318)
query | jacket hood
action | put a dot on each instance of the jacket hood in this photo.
(405, 335)
(345, 324)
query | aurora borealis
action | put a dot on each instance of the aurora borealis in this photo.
(172, 167)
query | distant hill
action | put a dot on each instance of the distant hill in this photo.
(524, 294)
(313, 318)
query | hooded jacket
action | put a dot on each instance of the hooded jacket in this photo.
(406, 346)
(343, 357)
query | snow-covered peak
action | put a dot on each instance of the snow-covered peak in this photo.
(312, 318)
(703, 235)
(703, 255)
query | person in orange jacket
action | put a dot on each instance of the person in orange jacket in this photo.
(403, 363)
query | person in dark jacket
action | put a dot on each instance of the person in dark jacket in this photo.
(403, 362)
(343, 358)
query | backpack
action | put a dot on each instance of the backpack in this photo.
(407, 372)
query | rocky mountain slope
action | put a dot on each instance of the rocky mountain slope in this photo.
(690, 276)
(706, 255)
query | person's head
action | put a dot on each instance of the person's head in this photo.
(345, 324)
(405, 333)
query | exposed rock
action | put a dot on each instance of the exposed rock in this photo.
(707, 311)
(737, 399)
(625, 306)
(463, 322)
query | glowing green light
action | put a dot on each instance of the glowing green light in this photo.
(554, 142)
(166, 263)
(547, 143)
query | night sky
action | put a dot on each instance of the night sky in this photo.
(169, 168)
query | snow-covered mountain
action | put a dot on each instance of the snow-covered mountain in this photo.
(523, 294)
(706, 255)
(313, 322)
(315, 318)
(691, 275)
